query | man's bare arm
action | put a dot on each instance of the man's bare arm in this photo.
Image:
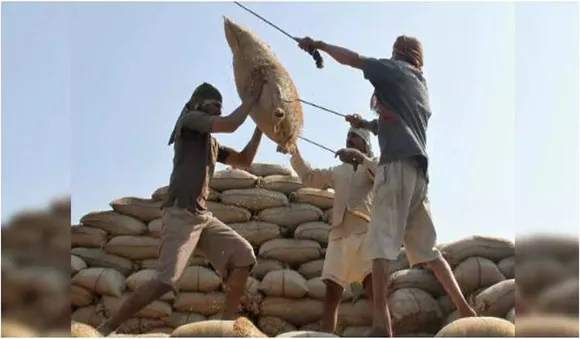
(246, 156)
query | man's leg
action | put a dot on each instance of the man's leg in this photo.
(330, 306)
(444, 274)
(233, 257)
(179, 236)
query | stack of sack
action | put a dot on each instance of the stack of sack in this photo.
(115, 251)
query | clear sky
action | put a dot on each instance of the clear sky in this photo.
(91, 91)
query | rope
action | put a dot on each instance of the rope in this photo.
(319, 145)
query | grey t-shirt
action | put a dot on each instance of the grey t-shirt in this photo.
(402, 91)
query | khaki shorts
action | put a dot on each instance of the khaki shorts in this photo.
(347, 258)
(183, 232)
(400, 215)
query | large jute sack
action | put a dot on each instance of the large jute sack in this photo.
(264, 170)
(304, 334)
(314, 230)
(140, 325)
(313, 196)
(355, 331)
(290, 251)
(264, 266)
(161, 193)
(139, 278)
(156, 309)
(311, 269)
(199, 279)
(317, 289)
(507, 267)
(357, 313)
(559, 247)
(278, 112)
(281, 183)
(154, 228)
(133, 247)
(414, 310)
(102, 281)
(416, 278)
(496, 300)
(535, 274)
(273, 326)
(295, 311)
(546, 325)
(176, 319)
(401, 263)
(114, 223)
(232, 178)
(91, 315)
(291, 216)
(76, 264)
(228, 213)
(257, 232)
(284, 283)
(478, 327)
(559, 298)
(80, 330)
(16, 329)
(84, 236)
(491, 248)
(252, 297)
(254, 199)
(206, 304)
(139, 208)
(242, 327)
(80, 296)
(194, 260)
(476, 272)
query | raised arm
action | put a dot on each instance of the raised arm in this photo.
(244, 158)
(340, 54)
(316, 178)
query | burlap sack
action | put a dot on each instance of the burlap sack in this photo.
(546, 325)
(80, 296)
(80, 330)
(278, 112)
(194, 260)
(176, 319)
(227, 213)
(496, 300)
(257, 232)
(476, 272)
(535, 274)
(315, 230)
(241, 327)
(414, 310)
(76, 264)
(91, 315)
(232, 178)
(254, 199)
(317, 289)
(140, 325)
(139, 278)
(284, 283)
(154, 228)
(542, 246)
(102, 281)
(416, 278)
(266, 265)
(161, 193)
(492, 248)
(142, 209)
(507, 267)
(305, 334)
(264, 170)
(16, 329)
(291, 216)
(311, 269)
(281, 183)
(357, 313)
(401, 263)
(114, 223)
(206, 304)
(273, 326)
(290, 251)
(511, 315)
(133, 247)
(295, 311)
(313, 196)
(156, 310)
(559, 298)
(199, 279)
(84, 236)
(252, 297)
(478, 327)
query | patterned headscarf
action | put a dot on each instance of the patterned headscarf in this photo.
(203, 92)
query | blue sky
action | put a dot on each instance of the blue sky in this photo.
(91, 91)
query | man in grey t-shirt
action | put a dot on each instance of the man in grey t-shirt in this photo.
(400, 214)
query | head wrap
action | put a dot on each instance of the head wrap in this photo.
(409, 49)
(366, 136)
(203, 92)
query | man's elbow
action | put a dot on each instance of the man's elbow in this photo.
(356, 61)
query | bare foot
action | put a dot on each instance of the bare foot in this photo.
(376, 332)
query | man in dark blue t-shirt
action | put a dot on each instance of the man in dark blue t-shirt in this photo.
(400, 213)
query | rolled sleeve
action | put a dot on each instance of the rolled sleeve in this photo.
(378, 71)
(199, 121)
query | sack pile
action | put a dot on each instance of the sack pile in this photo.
(115, 251)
